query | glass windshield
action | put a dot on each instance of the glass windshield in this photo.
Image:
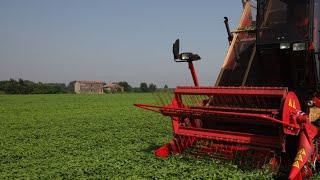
(282, 21)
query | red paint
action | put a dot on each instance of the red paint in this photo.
(163, 151)
(194, 74)
(249, 106)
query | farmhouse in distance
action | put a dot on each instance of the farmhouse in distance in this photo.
(87, 87)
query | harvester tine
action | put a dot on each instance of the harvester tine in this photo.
(217, 100)
(188, 101)
(234, 100)
(213, 100)
(170, 96)
(265, 104)
(196, 100)
(193, 100)
(166, 99)
(258, 102)
(227, 101)
(160, 99)
(240, 100)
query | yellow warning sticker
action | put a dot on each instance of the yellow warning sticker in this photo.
(290, 102)
(299, 158)
(302, 151)
(296, 164)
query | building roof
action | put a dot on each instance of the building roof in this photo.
(90, 82)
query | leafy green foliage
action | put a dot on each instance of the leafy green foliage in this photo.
(144, 87)
(152, 87)
(97, 137)
(28, 87)
(126, 86)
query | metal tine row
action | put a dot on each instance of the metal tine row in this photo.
(186, 100)
(216, 100)
(163, 98)
(192, 100)
(189, 100)
(260, 105)
(157, 97)
(225, 101)
(184, 142)
(229, 101)
(245, 159)
(252, 159)
(196, 100)
(206, 146)
(169, 96)
(236, 100)
(201, 98)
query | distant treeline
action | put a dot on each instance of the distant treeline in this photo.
(28, 87)
(21, 86)
(144, 87)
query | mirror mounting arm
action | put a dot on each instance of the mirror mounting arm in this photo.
(226, 23)
(193, 74)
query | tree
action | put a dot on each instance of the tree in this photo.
(152, 87)
(70, 87)
(28, 87)
(165, 87)
(25, 86)
(126, 86)
(11, 87)
(136, 89)
(144, 87)
(3, 85)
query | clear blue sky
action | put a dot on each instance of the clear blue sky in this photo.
(112, 40)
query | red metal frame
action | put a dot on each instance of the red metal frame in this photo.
(223, 121)
(229, 105)
(193, 74)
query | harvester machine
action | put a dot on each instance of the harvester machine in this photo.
(265, 105)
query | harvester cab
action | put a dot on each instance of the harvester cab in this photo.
(264, 107)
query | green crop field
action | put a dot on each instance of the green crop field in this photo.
(97, 137)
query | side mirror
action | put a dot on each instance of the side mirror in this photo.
(176, 49)
(183, 57)
(189, 57)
